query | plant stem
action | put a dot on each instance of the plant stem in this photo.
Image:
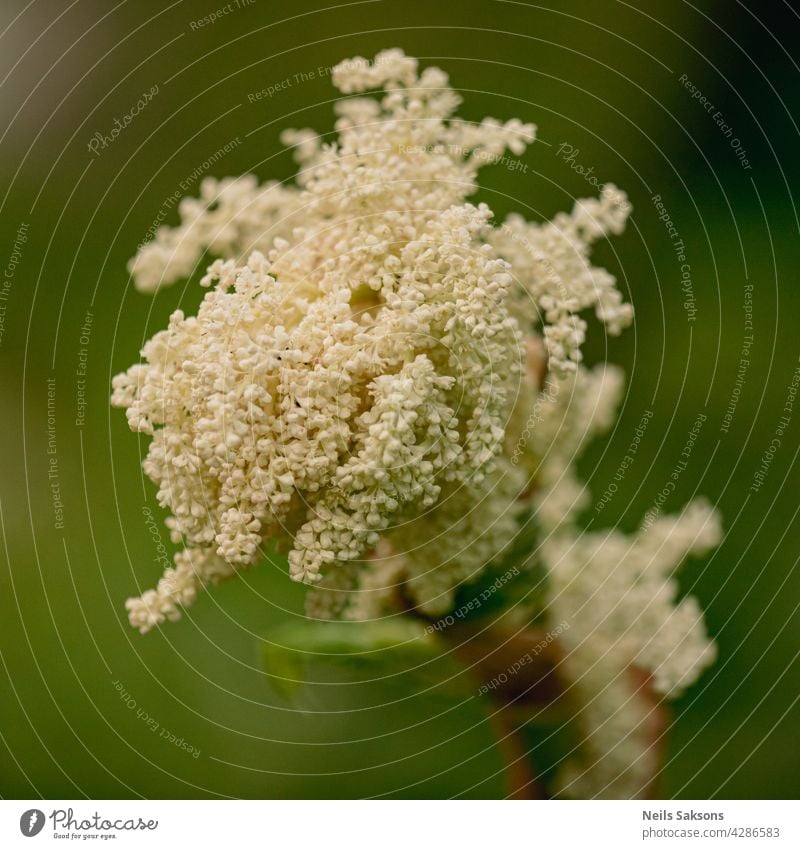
(531, 692)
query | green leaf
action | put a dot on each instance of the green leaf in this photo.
(387, 651)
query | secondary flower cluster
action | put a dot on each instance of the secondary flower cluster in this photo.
(381, 380)
(619, 594)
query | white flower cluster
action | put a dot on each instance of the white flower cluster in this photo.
(379, 379)
(551, 262)
(619, 594)
(230, 218)
(351, 375)
(194, 567)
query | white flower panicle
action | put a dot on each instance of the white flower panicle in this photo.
(620, 595)
(357, 354)
(231, 217)
(317, 412)
(380, 380)
(551, 262)
(194, 568)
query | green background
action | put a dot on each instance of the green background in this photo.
(603, 77)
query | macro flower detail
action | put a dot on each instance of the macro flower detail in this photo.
(388, 385)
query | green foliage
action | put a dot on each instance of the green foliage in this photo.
(389, 651)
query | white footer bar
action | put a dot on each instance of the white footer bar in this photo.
(400, 824)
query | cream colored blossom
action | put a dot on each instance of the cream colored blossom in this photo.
(551, 262)
(362, 359)
(620, 596)
(381, 380)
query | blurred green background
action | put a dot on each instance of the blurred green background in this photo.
(604, 78)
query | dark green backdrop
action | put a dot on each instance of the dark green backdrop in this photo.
(603, 77)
